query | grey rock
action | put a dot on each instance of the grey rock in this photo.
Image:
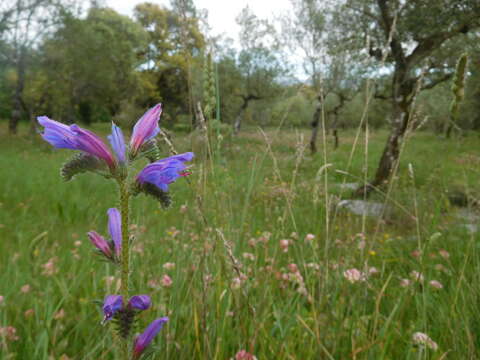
(362, 207)
(349, 186)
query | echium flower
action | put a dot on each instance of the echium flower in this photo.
(124, 314)
(75, 138)
(113, 305)
(164, 172)
(143, 340)
(110, 249)
(155, 177)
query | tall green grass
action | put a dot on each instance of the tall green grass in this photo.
(258, 184)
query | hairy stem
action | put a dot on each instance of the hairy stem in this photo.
(125, 260)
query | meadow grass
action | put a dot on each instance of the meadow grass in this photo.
(234, 286)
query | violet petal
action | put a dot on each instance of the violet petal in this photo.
(140, 302)
(144, 339)
(118, 143)
(115, 229)
(146, 128)
(111, 305)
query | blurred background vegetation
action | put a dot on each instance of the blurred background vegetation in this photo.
(86, 63)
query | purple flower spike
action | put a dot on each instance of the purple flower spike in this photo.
(144, 339)
(165, 171)
(75, 138)
(140, 302)
(118, 143)
(145, 128)
(111, 305)
(100, 243)
(115, 229)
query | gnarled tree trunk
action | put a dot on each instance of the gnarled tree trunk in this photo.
(315, 125)
(237, 124)
(336, 140)
(403, 92)
(17, 97)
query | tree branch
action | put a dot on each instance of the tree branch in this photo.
(437, 81)
(390, 32)
(427, 45)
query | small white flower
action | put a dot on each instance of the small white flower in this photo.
(422, 339)
(436, 284)
(169, 266)
(416, 276)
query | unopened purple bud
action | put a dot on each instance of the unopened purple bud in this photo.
(100, 243)
(165, 171)
(143, 340)
(140, 302)
(115, 229)
(111, 305)
(146, 128)
(118, 143)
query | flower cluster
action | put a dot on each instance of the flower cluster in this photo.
(95, 156)
(114, 308)
(421, 339)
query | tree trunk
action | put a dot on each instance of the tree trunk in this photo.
(17, 97)
(335, 131)
(33, 124)
(315, 125)
(238, 120)
(450, 126)
(403, 94)
(336, 139)
(14, 119)
(448, 132)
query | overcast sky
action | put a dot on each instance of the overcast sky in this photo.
(221, 13)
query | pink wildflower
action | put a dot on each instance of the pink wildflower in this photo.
(166, 281)
(309, 238)
(169, 266)
(293, 268)
(354, 275)
(436, 284)
(284, 243)
(444, 253)
(244, 355)
(9, 333)
(29, 313)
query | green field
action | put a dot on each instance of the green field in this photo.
(234, 286)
